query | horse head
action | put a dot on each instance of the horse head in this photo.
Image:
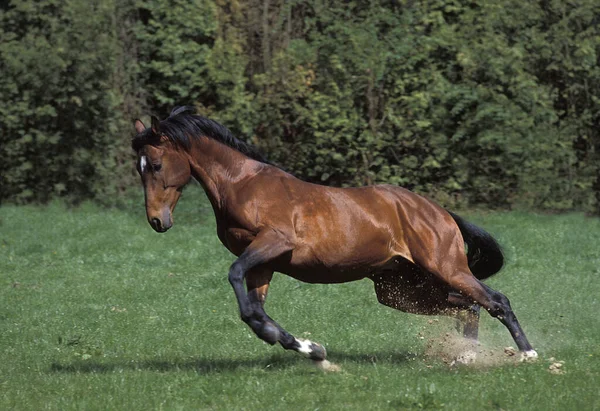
(164, 169)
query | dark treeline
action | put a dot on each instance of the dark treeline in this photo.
(472, 102)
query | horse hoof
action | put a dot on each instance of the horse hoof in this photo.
(529, 356)
(318, 353)
(270, 333)
(311, 350)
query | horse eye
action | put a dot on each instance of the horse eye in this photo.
(156, 167)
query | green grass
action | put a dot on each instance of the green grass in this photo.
(99, 312)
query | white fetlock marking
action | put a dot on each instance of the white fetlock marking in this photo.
(304, 348)
(466, 357)
(530, 355)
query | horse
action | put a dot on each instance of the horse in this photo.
(410, 247)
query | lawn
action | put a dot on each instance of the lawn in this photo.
(100, 312)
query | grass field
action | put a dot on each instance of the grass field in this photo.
(99, 312)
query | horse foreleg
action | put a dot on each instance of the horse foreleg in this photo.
(252, 266)
(257, 282)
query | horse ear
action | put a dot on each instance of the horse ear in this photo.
(155, 125)
(139, 126)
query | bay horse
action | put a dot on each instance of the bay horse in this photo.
(411, 248)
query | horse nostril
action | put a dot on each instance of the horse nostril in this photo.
(156, 223)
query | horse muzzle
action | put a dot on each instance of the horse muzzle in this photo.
(162, 223)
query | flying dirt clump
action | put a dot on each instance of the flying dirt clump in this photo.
(556, 367)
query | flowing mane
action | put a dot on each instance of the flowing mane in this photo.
(183, 126)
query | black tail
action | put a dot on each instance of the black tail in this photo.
(484, 253)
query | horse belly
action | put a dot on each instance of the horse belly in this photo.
(310, 266)
(316, 275)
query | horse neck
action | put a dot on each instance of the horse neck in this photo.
(219, 169)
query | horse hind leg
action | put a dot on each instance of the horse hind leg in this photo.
(467, 316)
(411, 289)
(501, 309)
(416, 291)
(467, 323)
(495, 303)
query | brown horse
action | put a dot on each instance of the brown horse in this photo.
(411, 248)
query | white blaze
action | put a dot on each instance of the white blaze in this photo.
(143, 164)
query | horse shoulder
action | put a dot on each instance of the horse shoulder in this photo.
(261, 203)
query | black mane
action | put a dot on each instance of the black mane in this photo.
(182, 126)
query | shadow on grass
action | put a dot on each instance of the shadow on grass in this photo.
(199, 365)
(209, 366)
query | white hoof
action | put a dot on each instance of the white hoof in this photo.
(311, 350)
(527, 356)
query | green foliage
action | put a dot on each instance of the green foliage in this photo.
(441, 97)
(58, 103)
(482, 102)
(175, 41)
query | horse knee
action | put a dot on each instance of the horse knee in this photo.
(236, 274)
(500, 307)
